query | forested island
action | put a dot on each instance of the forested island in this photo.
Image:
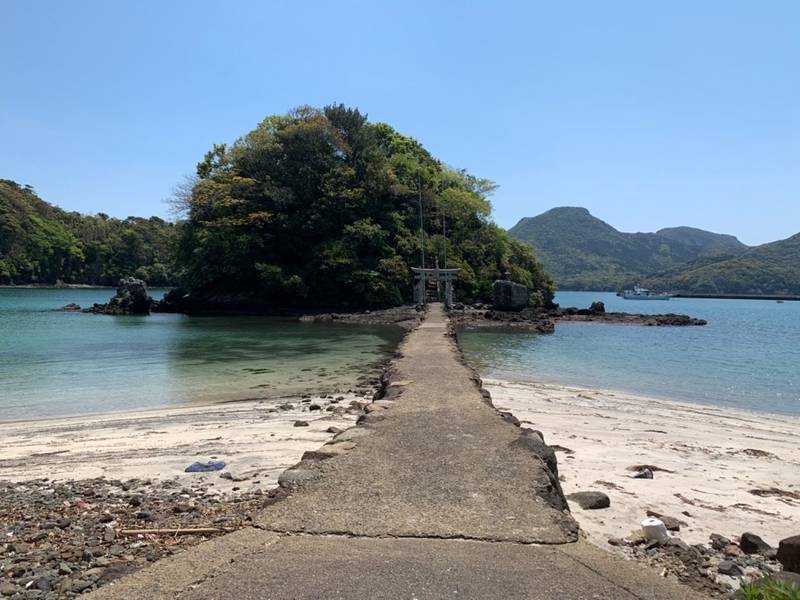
(314, 208)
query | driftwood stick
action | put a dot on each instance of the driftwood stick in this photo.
(177, 531)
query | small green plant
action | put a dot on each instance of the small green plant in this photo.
(768, 589)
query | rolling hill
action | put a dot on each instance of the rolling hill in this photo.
(581, 251)
(772, 268)
(43, 244)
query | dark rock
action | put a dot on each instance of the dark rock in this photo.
(131, 299)
(301, 424)
(314, 407)
(750, 543)
(597, 308)
(144, 515)
(42, 583)
(590, 500)
(175, 300)
(644, 474)
(789, 553)
(728, 567)
(507, 295)
(719, 542)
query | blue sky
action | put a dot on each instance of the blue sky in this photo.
(650, 114)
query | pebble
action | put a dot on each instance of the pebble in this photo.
(75, 526)
(728, 567)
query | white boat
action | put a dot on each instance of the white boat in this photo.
(640, 293)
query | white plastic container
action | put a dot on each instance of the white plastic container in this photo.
(654, 530)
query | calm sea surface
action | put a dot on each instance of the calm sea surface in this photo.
(61, 363)
(748, 356)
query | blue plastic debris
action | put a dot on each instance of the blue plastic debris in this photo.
(200, 467)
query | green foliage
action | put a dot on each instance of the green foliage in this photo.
(583, 252)
(40, 243)
(769, 589)
(320, 208)
(768, 269)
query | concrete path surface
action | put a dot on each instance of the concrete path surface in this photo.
(434, 495)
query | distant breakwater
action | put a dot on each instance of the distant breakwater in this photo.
(739, 296)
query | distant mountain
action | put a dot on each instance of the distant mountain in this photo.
(582, 252)
(772, 268)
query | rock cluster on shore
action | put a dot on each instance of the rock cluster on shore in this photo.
(62, 539)
(543, 320)
(716, 568)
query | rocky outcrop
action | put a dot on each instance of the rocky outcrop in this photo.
(507, 295)
(789, 553)
(131, 299)
(544, 320)
(665, 320)
(597, 308)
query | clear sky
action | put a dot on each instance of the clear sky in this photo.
(649, 113)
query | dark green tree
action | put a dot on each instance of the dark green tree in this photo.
(320, 208)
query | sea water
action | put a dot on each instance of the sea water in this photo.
(56, 363)
(748, 356)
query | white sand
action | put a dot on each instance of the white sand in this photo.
(709, 450)
(254, 439)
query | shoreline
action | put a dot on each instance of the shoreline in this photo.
(153, 443)
(649, 396)
(87, 500)
(709, 458)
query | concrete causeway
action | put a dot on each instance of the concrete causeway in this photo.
(435, 494)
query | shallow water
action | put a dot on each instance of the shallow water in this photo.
(63, 363)
(748, 356)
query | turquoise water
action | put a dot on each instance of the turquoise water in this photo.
(748, 356)
(63, 363)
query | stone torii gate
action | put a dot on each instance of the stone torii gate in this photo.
(422, 276)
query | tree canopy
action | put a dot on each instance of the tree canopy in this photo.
(320, 207)
(40, 243)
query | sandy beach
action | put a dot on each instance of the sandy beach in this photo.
(719, 471)
(256, 439)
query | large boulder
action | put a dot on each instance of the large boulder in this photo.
(750, 543)
(507, 295)
(131, 299)
(789, 553)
